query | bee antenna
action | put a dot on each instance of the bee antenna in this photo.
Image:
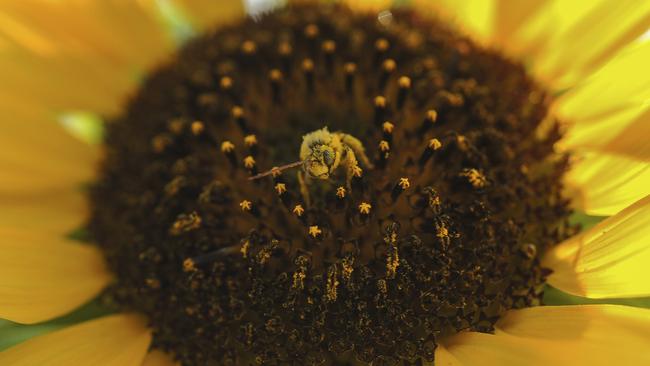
(277, 169)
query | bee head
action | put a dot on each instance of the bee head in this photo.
(321, 162)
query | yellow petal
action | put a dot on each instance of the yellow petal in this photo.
(207, 13)
(609, 260)
(606, 103)
(567, 40)
(601, 184)
(116, 340)
(560, 335)
(55, 213)
(78, 55)
(476, 17)
(159, 358)
(44, 276)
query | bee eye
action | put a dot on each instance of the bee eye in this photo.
(328, 157)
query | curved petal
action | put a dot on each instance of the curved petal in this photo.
(206, 13)
(609, 260)
(603, 184)
(78, 54)
(43, 276)
(567, 40)
(159, 358)
(610, 110)
(559, 335)
(476, 17)
(116, 340)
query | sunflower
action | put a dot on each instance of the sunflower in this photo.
(452, 164)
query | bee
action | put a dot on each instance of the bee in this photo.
(322, 155)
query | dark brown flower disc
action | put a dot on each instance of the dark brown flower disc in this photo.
(443, 234)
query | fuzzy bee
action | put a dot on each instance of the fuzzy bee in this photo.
(322, 155)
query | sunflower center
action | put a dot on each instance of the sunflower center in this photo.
(421, 211)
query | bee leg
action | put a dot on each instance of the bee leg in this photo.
(304, 188)
(357, 146)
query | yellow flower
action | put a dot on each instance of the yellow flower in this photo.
(60, 58)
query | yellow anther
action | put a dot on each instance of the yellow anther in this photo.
(384, 146)
(435, 144)
(197, 127)
(388, 127)
(404, 82)
(176, 126)
(280, 188)
(185, 223)
(285, 48)
(244, 248)
(364, 208)
(225, 83)
(432, 115)
(249, 162)
(315, 231)
(389, 65)
(382, 45)
(308, 65)
(227, 147)
(462, 142)
(237, 111)
(298, 210)
(347, 264)
(476, 178)
(357, 172)
(350, 67)
(250, 140)
(404, 183)
(246, 205)
(275, 75)
(275, 172)
(442, 232)
(189, 265)
(380, 101)
(340, 192)
(329, 46)
(311, 30)
(159, 143)
(248, 47)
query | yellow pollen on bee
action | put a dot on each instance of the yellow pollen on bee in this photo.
(364, 208)
(435, 144)
(275, 75)
(280, 188)
(237, 111)
(226, 83)
(246, 205)
(275, 172)
(380, 101)
(250, 140)
(227, 146)
(329, 46)
(298, 210)
(308, 65)
(382, 44)
(432, 115)
(314, 231)
(404, 183)
(311, 31)
(197, 127)
(189, 265)
(357, 172)
(404, 82)
(387, 127)
(340, 192)
(389, 65)
(384, 146)
(249, 162)
(350, 67)
(248, 47)
(475, 178)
